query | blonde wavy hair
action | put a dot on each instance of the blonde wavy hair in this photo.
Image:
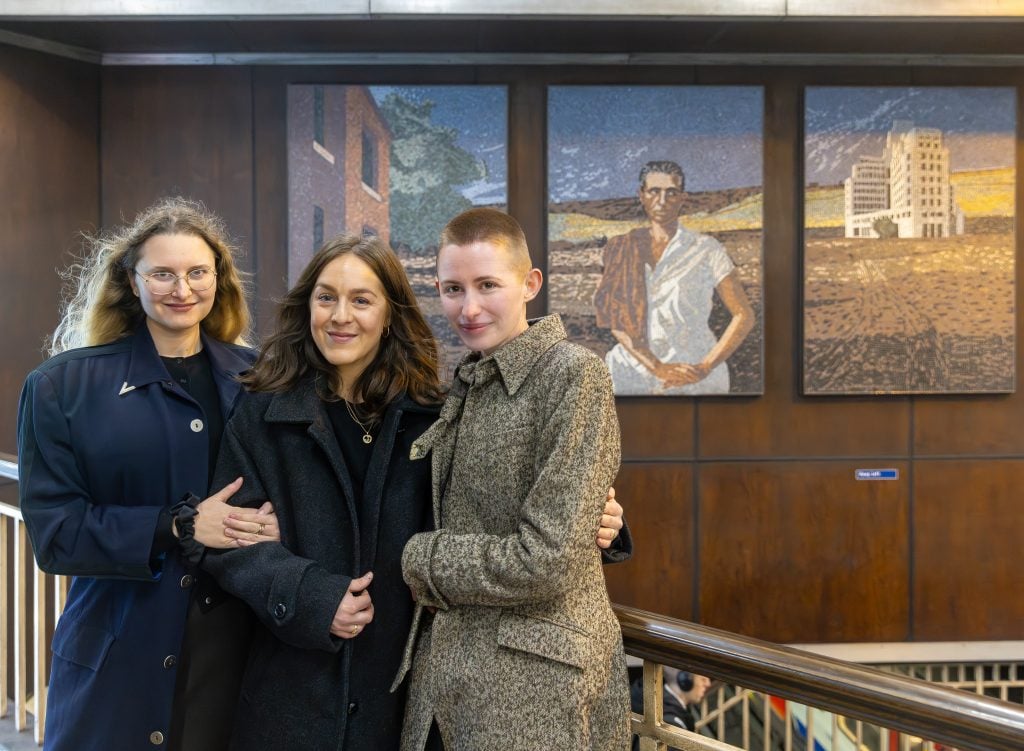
(99, 306)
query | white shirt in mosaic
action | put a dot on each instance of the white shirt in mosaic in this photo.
(680, 291)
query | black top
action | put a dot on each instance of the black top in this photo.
(195, 375)
(357, 454)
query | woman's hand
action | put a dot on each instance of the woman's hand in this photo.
(247, 527)
(355, 609)
(611, 521)
(212, 512)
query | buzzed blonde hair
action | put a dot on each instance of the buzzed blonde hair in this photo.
(492, 226)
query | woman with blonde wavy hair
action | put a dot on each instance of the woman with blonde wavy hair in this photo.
(118, 433)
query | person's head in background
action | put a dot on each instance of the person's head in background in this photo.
(486, 278)
(691, 686)
(172, 266)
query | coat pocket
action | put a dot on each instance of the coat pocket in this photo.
(82, 645)
(555, 641)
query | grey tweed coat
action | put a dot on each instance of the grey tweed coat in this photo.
(524, 652)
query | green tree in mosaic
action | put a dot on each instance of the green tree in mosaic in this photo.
(426, 166)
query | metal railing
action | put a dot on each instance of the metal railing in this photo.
(915, 709)
(32, 600)
(855, 695)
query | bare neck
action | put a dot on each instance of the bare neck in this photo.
(175, 343)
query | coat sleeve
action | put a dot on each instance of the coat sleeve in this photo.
(621, 549)
(72, 532)
(295, 597)
(578, 458)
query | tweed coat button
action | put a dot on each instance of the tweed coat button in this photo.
(280, 610)
(156, 738)
(169, 661)
(196, 425)
(187, 581)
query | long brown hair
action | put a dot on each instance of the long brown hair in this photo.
(100, 306)
(406, 361)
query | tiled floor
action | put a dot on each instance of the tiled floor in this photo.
(12, 740)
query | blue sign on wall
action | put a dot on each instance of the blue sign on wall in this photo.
(876, 474)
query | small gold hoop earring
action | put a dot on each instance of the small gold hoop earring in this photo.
(387, 332)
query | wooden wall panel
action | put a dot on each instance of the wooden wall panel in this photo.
(968, 528)
(803, 552)
(658, 499)
(185, 130)
(49, 183)
(270, 196)
(655, 428)
(527, 179)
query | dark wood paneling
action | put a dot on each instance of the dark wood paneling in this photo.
(270, 236)
(527, 105)
(968, 528)
(186, 131)
(803, 552)
(49, 180)
(656, 428)
(658, 499)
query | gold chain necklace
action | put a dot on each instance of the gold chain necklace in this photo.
(367, 438)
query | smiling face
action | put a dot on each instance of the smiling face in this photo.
(348, 311)
(175, 316)
(661, 195)
(484, 293)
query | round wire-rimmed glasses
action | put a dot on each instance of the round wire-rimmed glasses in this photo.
(165, 282)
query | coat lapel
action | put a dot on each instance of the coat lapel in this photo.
(301, 405)
(373, 486)
(227, 364)
(438, 442)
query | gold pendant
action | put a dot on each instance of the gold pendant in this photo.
(367, 438)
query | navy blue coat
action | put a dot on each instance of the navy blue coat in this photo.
(106, 440)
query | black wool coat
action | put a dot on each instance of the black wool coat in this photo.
(303, 688)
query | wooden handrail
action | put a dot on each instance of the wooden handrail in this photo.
(927, 710)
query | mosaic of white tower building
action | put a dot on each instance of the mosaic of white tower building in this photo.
(908, 185)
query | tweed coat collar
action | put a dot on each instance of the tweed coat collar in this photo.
(514, 360)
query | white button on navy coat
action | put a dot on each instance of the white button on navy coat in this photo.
(196, 425)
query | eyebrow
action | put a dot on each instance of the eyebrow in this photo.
(477, 280)
(361, 291)
(206, 266)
